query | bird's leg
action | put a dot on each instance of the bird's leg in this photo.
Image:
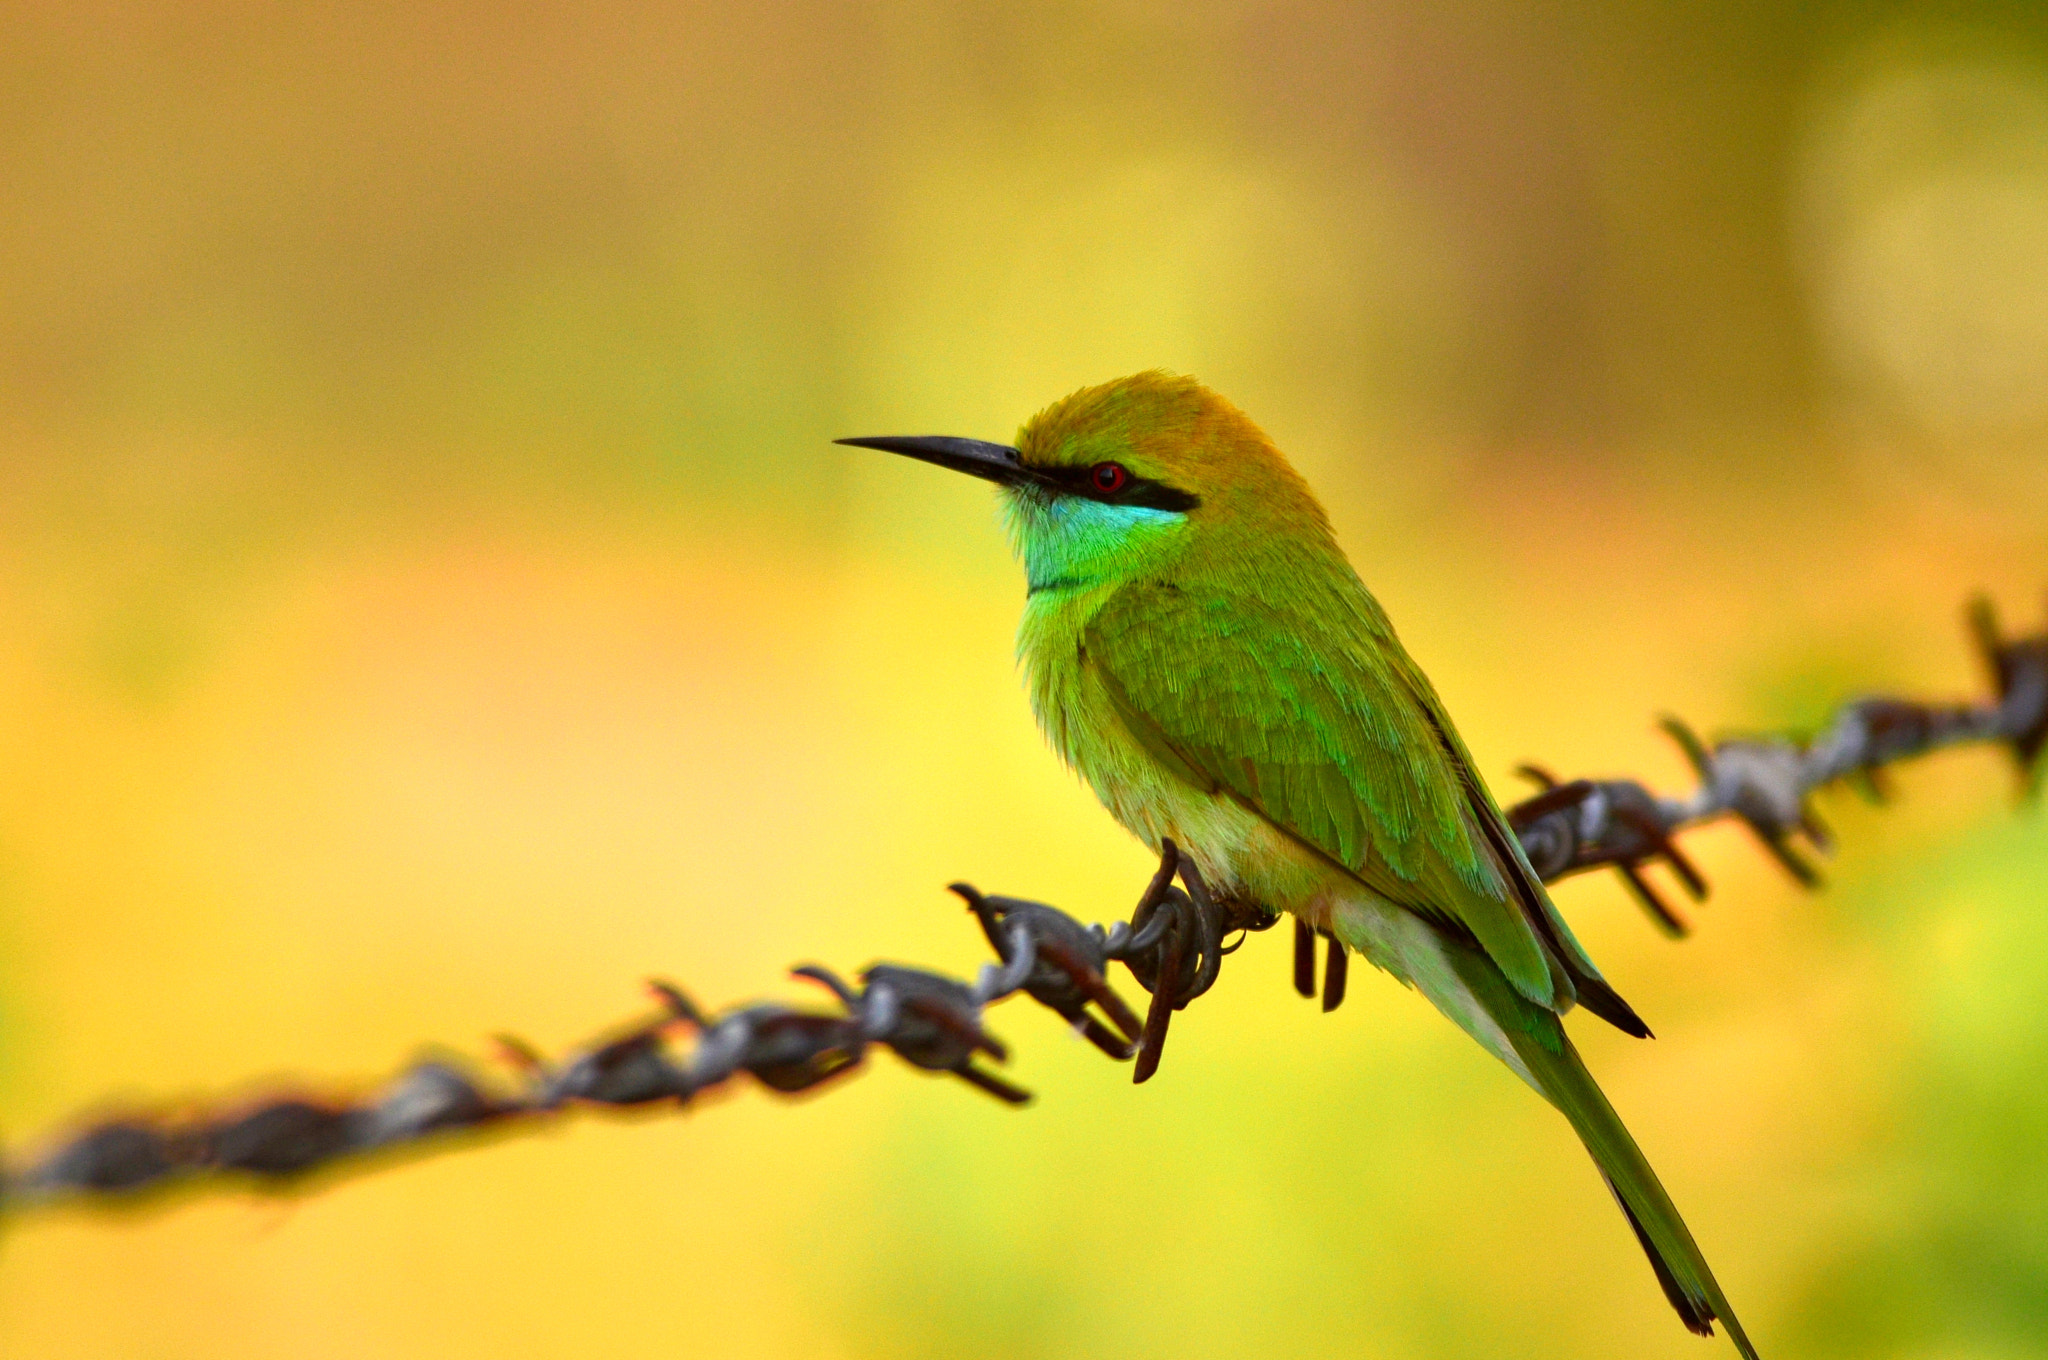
(1304, 958)
(1336, 969)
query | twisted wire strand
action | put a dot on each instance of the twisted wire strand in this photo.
(1768, 781)
(1173, 946)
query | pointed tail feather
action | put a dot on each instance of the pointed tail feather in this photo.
(1681, 1267)
(1548, 1061)
(1697, 1320)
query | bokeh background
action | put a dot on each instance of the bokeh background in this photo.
(429, 603)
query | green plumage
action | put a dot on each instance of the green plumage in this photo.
(1288, 706)
(1298, 701)
(1303, 706)
(1201, 652)
(1558, 1073)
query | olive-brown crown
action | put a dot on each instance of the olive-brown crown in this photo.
(1171, 429)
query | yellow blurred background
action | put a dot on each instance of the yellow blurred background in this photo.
(430, 603)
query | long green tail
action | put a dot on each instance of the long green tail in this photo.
(1555, 1069)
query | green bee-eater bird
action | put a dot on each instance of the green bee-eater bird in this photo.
(1199, 649)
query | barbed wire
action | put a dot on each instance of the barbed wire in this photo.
(1768, 781)
(1173, 946)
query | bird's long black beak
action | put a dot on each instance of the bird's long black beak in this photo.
(997, 463)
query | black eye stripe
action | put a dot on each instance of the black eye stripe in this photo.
(1136, 490)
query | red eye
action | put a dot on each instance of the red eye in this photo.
(1109, 477)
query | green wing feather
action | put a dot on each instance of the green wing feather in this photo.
(1310, 712)
(1308, 722)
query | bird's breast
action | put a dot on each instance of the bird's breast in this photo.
(1238, 851)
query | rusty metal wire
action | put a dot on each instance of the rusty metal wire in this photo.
(1768, 782)
(1173, 946)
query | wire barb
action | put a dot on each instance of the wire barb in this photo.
(1768, 782)
(1173, 946)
